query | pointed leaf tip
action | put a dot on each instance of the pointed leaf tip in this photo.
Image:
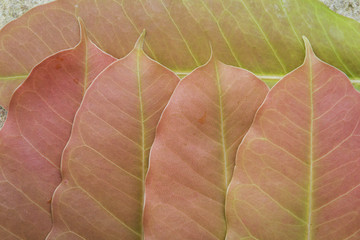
(140, 41)
(212, 57)
(211, 51)
(83, 34)
(308, 48)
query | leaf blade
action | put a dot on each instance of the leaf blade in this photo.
(105, 161)
(35, 133)
(258, 37)
(193, 154)
(30, 39)
(300, 165)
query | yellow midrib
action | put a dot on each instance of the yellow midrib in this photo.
(86, 71)
(10, 78)
(310, 189)
(222, 131)
(143, 155)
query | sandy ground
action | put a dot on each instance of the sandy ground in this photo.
(11, 9)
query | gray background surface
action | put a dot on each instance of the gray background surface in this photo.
(11, 9)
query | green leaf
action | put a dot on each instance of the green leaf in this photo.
(261, 36)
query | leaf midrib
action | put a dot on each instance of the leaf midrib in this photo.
(265, 78)
(13, 78)
(311, 160)
(222, 131)
(143, 155)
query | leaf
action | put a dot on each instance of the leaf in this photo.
(35, 134)
(263, 37)
(105, 161)
(297, 169)
(193, 155)
(26, 41)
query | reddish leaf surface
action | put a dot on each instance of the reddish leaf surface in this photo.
(34, 136)
(26, 41)
(262, 37)
(105, 161)
(297, 170)
(193, 155)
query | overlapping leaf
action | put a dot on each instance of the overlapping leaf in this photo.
(264, 37)
(297, 169)
(193, 155)
(105, 162)
(35, 133)
(26, 41)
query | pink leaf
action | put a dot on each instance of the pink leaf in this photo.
(192, 158)
(25, 42)
(106, 159)
(35, 133)
(297, 170)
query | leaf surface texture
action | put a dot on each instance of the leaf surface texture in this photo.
(104, 164)
(193, 155)
(34, 136)
(297, 169)
(261, 36)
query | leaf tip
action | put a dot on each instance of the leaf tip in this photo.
(211, 58)
(140, 42)
(211, 51)
(83, 34)
(308, 49)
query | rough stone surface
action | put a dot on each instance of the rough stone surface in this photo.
(11, 9)
(2, 116)
(348, 8)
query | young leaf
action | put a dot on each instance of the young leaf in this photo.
(297, 169)
(105, 162)
(34, 136)
(27, 41)
(263, 37)
(193, 155)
